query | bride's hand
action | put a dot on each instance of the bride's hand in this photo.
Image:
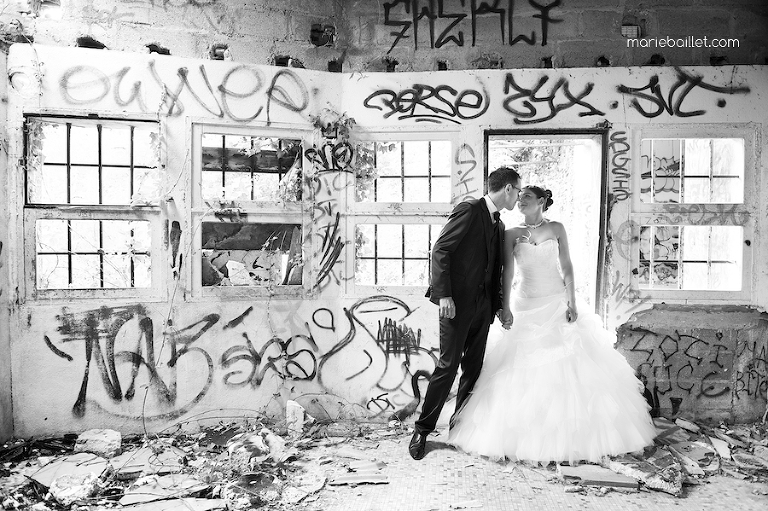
(571, 314)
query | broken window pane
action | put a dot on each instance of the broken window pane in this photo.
(92, 163)
(92, 254)
(250, 168)
(692, 170)
(691, 257)
(403, 171)
(251, 254)
(394, 254)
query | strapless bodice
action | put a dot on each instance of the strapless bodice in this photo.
(538, 268)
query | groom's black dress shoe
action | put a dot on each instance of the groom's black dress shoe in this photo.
(418, 446)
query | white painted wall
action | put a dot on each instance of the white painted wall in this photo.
(6, 409)
(330, 335)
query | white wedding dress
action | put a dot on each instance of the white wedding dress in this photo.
(551, 390)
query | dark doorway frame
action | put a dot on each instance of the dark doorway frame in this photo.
(602, 133)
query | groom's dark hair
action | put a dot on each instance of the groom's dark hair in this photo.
(502, 177)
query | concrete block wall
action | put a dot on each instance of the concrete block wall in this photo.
(701, 362)
(578, 32)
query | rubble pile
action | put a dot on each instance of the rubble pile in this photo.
(262, 464)
(685, 453)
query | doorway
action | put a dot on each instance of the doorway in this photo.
(572, 165)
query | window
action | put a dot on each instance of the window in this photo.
(402, 197)
(249, 168)
(91, 219)
(408, 171)
(251, 254)
(691, 257)
(394, 254)
(693, 218)
(249, 212)
(92, 254)
(692, 170)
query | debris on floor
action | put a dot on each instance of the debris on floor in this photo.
(147, 460)
(150, 488)
(686, 451)
(595, 475)
(468, 504)
(262, 464)
(362, 472)
(657, 469)
(74, 465)
(104, 442)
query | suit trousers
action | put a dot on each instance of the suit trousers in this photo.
(462, 344)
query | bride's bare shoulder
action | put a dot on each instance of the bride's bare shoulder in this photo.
(558, 229)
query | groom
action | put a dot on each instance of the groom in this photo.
(467, 260)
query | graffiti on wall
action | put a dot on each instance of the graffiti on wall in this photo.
(291, 359)
(623, 299)
(544, 101)
(366, 332)
(618, 148)
(752, 373)
(672, 104)
(703, 214)
(680, 366)
(444, 26)
(242, 94)
(125, 361)
(469, 184)
(326, 187)
(104, 331)
(427, 103)
(624, 236)
(330, 157)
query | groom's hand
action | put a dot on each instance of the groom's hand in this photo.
(447, 308)
(506, 318)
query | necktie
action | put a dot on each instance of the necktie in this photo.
(496, 217)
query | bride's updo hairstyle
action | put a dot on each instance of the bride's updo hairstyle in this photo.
(541, 193)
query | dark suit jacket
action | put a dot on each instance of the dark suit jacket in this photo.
(460, 256)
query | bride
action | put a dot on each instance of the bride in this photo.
(552, 387)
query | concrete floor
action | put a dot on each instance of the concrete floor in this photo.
(449, 479)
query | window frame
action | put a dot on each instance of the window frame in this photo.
(298, 212)
(690, 214)
(398, 213)
(32, 212)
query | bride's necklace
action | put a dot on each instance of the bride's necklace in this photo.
(535, 226)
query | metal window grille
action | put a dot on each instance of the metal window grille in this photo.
(100, 264)
(402, 262)
(94, 169)
(409, 183)
(86, 182)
